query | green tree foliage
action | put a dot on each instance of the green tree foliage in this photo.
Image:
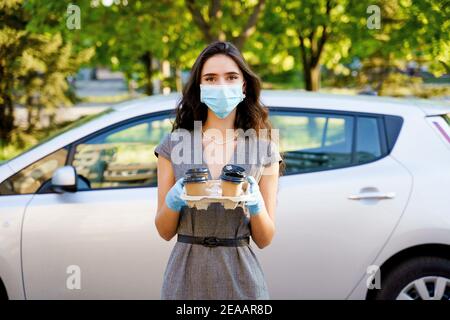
(130, 38)
(13, 41)
(316, 32)
(416, 31)
(33, 67)
(234, 21)
(331, 33)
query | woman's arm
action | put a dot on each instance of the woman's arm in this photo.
(263, 224)
(166, 220)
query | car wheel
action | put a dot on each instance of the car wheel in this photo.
(423, 278)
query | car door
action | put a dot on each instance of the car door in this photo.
(16, 192)
(338, 201)
(100, 242)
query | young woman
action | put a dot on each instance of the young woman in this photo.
(223, 95)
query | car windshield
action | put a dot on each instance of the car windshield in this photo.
(70, 126)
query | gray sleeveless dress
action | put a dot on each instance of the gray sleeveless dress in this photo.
(198, 272)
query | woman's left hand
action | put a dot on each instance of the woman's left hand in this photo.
(256, 205)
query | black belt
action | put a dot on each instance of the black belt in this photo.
(214, 242)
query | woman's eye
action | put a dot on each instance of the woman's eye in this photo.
(233, 77)
(209, 79)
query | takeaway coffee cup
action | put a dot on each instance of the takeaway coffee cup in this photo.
(195, 181)
(232, 180)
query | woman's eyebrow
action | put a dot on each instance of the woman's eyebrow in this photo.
(215, 74)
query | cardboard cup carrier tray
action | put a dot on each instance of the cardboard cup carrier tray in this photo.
(214, 195)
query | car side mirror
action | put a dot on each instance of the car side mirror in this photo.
(64, 179)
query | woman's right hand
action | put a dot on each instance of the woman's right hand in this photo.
(173, 200)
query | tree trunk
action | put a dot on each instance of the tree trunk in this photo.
(148, 59)
(6, 119)
(211, 25)
(311, 53)
(6, 108)
(311, 75)
(30, 119)
(178, 80)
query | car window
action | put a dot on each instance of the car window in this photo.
(123, 156)
(368, 145)
(30, 179)
(311, 141)
(320, 141)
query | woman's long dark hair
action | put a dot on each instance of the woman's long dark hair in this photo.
(250, 113)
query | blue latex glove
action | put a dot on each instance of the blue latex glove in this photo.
(257, 205)
(173, 200)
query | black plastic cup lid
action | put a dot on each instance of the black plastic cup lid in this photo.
(233, 169)
(201, 170)
(232, 177)
(194, 178)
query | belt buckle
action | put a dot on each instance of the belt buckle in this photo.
(210, 242)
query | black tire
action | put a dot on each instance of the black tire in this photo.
(408, 271)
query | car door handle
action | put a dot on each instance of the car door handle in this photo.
(372, 195)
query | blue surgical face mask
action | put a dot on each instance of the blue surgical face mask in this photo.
(221, 99)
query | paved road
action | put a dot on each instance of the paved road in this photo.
(100, 88)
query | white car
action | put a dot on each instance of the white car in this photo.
(363, 208)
